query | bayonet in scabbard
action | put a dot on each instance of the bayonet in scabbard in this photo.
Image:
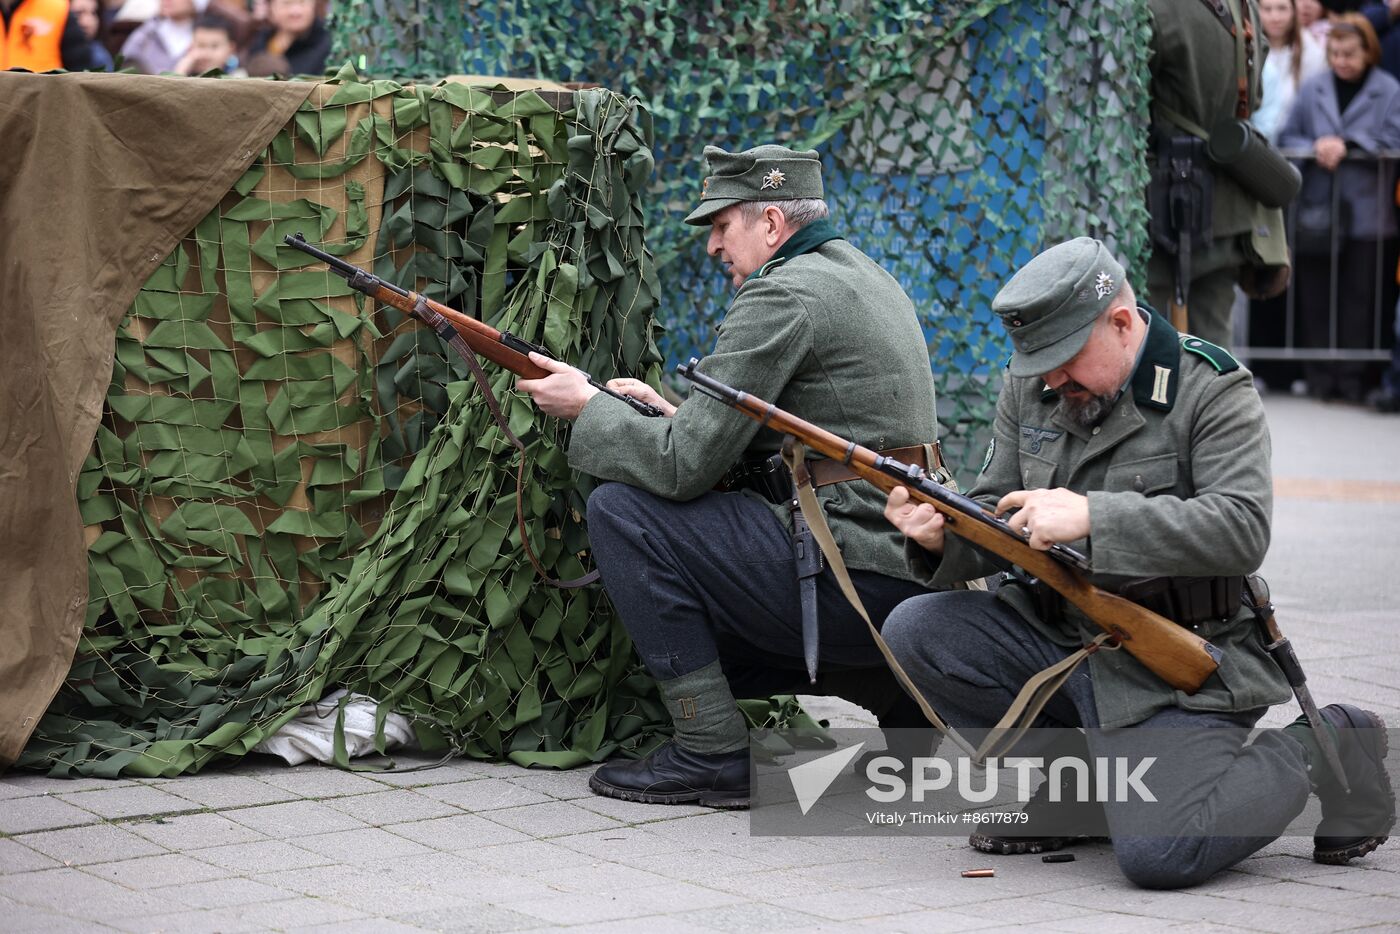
(1281, 650)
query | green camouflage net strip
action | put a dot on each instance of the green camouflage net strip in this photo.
(958, 138)
(291, 491)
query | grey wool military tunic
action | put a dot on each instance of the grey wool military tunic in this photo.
(1179, 484)
(826, 335)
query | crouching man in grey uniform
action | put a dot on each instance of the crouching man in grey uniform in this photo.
(1148, 451)
(709, 584)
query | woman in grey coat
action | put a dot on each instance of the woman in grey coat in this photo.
(1343, 116)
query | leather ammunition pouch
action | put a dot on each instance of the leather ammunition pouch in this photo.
(1187, 601)
(766, 476)
(770, 478)
(1180, 194)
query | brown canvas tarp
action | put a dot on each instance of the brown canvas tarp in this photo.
(100, 177)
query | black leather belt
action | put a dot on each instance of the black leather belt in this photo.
(769, 477)
(1188, 601)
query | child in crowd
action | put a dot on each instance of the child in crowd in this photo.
(212, 47)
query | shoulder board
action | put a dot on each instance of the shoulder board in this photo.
(773, 263)
(1217, 357)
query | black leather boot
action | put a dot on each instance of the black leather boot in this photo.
(1352, 824)
(1050, 826)
(673, 775)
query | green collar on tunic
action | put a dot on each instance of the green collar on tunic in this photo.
(804, 241)
(1156, 377)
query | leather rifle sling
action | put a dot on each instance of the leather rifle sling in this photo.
(1034, 695)
(447, 332)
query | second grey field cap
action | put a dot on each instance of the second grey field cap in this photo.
(1050, 305)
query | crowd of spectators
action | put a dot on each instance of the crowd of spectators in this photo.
(1331, 90)
(259, 38)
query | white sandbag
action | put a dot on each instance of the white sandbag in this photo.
(311, 734)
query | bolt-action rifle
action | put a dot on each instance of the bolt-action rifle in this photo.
(500, 347)
(1171, 652)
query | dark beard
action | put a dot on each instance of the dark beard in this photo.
(1088, 413)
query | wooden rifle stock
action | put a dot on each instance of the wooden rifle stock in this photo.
(1171, 652)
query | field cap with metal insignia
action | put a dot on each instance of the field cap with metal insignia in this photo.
(1050, 305)
(764, 173)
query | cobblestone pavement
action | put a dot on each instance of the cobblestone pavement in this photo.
(486, 847)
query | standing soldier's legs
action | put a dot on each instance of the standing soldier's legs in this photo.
(1214, 272)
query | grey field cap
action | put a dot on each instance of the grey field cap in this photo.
(1050, 305)
(764, 173)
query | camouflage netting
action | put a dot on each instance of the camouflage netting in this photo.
(957, 138)
(292, 491)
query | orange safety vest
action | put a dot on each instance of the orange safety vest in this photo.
(34, 35)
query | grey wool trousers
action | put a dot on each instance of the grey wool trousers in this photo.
(1219, 797)
(715, 578)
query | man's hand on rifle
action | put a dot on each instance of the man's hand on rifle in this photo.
(918, 521)
(563, 393)
(642, 392)
(1048, 517)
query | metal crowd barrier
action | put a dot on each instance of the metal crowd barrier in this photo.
(1382, 312)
